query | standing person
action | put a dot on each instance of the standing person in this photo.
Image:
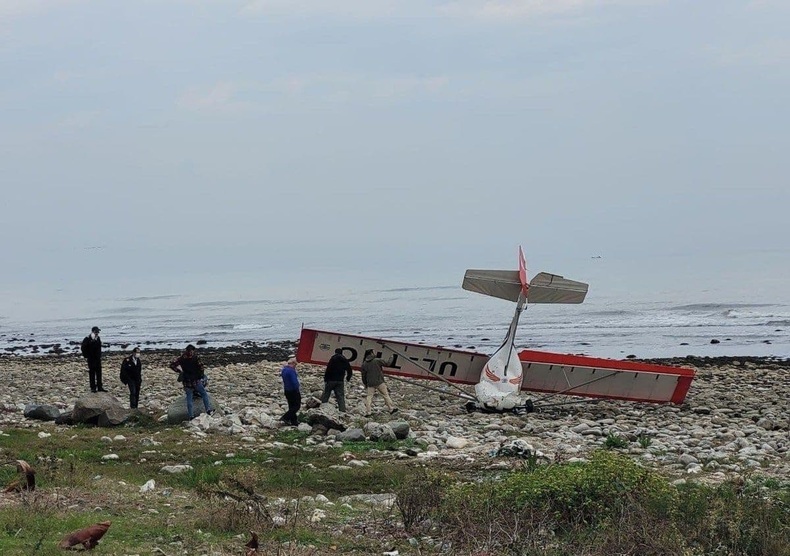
(337, 366)
(131, 375)
(292, 394)
(91, 350)
(192, 374)
(373, 379)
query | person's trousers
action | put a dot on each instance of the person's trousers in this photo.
(190, 392)
(294, 399)
(134, 393)
(339, 389)
(381, 389)
(94, 372)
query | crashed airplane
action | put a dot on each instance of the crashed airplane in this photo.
(500, 379)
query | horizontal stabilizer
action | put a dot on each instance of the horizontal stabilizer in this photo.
(544, 288)
(503, 284)
(551, 288)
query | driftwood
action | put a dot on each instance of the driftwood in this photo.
(27, 482)
(252, 545)
(88, 537)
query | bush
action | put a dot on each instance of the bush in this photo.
(612, 505)
(418, 496)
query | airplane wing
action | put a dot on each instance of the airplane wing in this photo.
(576, 375)
(551, 373)
(411, 360)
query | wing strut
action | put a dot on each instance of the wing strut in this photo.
(463, 396)
(464, 393)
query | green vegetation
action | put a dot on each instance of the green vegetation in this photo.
(610, 505)
(615, 441)
(644, 441)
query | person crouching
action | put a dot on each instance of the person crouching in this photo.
(292, 394)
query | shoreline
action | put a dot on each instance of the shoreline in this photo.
(251, 352)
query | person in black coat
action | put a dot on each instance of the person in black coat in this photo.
(132, 376)
(91, 350)
(336, 368)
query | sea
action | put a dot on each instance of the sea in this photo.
(668, 308)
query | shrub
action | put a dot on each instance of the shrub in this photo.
(418, 496)
(615, 441)
(644, 441)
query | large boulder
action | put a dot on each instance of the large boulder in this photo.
(327, 416)
(376, 431)
(99, 408)
(41, 412)
(400, 428)
(177, 412)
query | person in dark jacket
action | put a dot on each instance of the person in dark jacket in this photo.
(190, 369)
(336, 368)
(373, 379)
(91, 350)
(132, 376)
(292, 394)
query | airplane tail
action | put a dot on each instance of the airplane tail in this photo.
(510, 284)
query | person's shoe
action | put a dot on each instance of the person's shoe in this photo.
(100, 389)
(93, 390)
(212, 412)
(393, 410)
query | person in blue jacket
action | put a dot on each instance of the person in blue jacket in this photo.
(292, 393)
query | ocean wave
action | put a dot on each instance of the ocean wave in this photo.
(780, 322)
(416, 289)
(610, 313)
(229, 303)
(243, 326)
(717, 306)
(151, 297)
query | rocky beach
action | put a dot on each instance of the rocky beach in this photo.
(735, 420)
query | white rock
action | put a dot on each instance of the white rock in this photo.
(175, 468)
(456, 442)
(106, 439)
(317, 516)
(149, 485)
(43, 434)
(119, 438)
(110, 456)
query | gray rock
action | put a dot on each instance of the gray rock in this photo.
(177, 411)
(64, 419)
(41, 412)
(351, 435)
(101, 409)
(687, 459)
(400, 428)
(326, 416)
(377, 431)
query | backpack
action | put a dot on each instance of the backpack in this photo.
(123, 377)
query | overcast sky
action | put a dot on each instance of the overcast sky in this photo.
(312, 134)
